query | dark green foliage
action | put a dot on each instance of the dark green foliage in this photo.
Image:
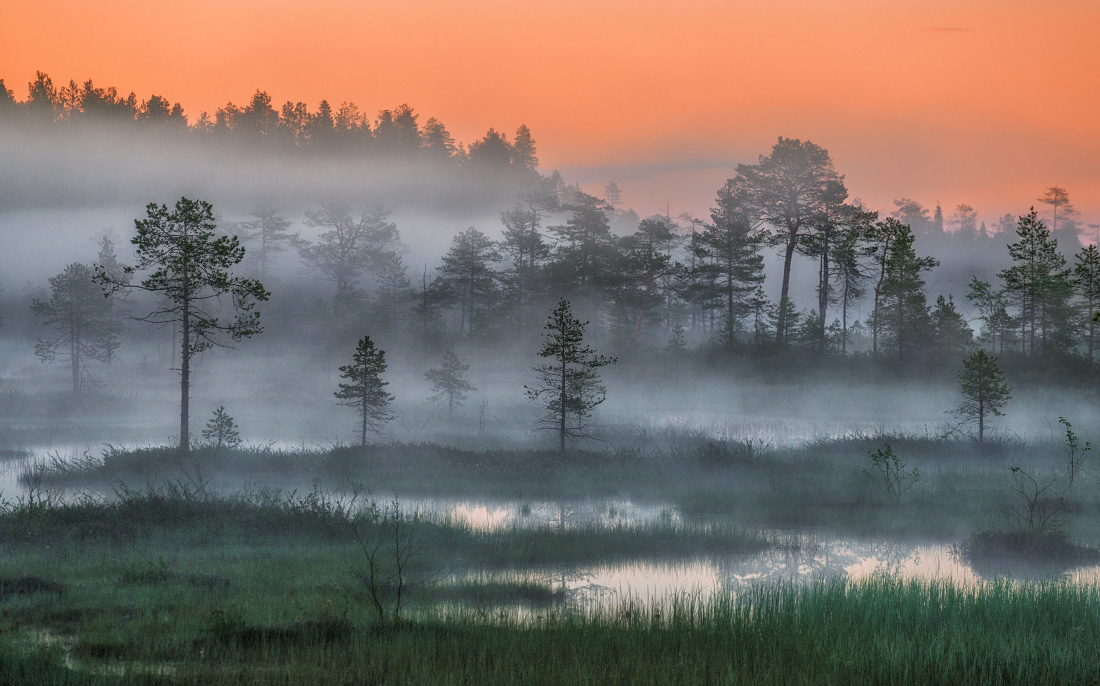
(902, 316)
(788, 190)
(1039, 286)
(644, 272)
(951, 334)
(890, 474)
(1086, 284)
(984, 391)
(188, 265)
(365, 390)
(467, 267)
(221, 431)
(731, 266)
(586, 253)
(569, 385)
(998, 325)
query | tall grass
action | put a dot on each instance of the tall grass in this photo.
(879, 631)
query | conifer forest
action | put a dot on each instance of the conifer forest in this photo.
(308, 392)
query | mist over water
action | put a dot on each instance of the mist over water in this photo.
(61, 193)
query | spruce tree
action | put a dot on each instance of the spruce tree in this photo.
(221, 431)
(1086, 282)
(569, 385)
(903, 315)
(952, 335)
(729, 258)
(984, 391)
(1038, 282)
(365, 390)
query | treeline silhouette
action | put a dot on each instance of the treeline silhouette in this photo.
(328, 129)
(684, 285)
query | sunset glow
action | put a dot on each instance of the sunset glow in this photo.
(989, 101)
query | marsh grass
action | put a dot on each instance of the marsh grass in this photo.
(821, 484)
(877, 631)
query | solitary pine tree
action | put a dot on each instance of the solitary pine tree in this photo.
(984, 391)
(79, 316)
(188, 267)
(449, 381)
(365, 390)
(569, 384)
(221, 431)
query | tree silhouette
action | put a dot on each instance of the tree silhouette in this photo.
(449, 381)
(787, 190)
(221, 431)
(80, 318)
(984, 391)
(365, 390)
(569, 385)
(188, 266)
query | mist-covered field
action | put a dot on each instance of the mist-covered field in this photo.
(347, 401)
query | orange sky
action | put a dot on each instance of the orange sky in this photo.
(977, 101)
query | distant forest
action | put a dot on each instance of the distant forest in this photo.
(678, 285)
(327, 129)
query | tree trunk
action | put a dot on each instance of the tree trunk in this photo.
(561, 424)
(74, 355)
(981, 421)
(363, 428)
(1092, 328)
(781, 323)
(823, 290)
(185, 376)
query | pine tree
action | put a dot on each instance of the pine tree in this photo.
(569, 385)
(903, 316)
(787, 190)
(394, 288)
(468, 268)
(1086, 282)
(356, 239)
(189, 267)
(221, 431)
(1036, 281)
(365, 390)
(952, 335)
(645, 268)
(449, 381)
(729, 258)
(80, 318)
(850, 259)
(984, 391)
(526, 249)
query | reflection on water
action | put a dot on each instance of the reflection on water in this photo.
(807, 560)
(799, 557)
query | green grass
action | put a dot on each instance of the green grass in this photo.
(180, 586)
(880, 631)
